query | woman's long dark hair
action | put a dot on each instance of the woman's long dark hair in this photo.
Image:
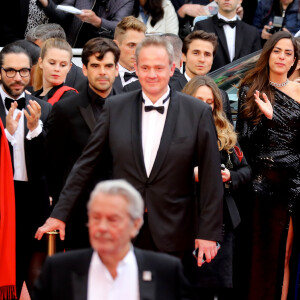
(258, 77)
(152, 8)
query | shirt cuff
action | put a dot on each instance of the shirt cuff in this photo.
(34, 133)
(10, 137)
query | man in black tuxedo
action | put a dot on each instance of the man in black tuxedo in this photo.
(236, 38)
(128, 34)
(23, 117)
(156, 137)
(199, 49)
(113, 269)
(70, 125)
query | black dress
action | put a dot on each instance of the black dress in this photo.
(272, 149)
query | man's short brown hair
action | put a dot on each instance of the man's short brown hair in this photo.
(199, 35)
(127, 23)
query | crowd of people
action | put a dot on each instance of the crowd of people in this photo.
(134, 159)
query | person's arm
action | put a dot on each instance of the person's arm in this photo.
(78, 177)
(56, 15)
(210, 188)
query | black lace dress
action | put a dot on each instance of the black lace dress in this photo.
(272, 149)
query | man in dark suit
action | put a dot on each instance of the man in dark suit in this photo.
(128, 34)
(199, 49)
(23, 117)
(156, 137)
(113, 269)
(236, 38)
(70, 125)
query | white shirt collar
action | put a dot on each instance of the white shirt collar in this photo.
(187, 76)
(4, 95)
(159, 102)
(123, 70)
(224, 18)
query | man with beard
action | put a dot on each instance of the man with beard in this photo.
(23, 117)
(70, 125)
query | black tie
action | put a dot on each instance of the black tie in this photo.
(222, 22)
(128, 76)
(21, 103)
(160, 109)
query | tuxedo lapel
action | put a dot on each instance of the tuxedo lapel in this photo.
(88, 116)
(2, 112)
(166, 135)
(27, 98)
(239, 34)
(136, 132)
(79, 277)
(146, 278)
(221, 37)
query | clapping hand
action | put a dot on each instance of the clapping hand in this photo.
(264, 105)
(34, 116)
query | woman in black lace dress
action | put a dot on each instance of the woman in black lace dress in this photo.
(269, 133)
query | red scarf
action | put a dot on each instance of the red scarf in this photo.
(7, 222)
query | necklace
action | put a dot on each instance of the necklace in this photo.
(278, 85)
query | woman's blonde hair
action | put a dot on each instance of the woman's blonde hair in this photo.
(227, 137)
(49, 44)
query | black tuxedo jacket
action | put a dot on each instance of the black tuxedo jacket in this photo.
(65, 276)
(76, 79)
(247, 40)
(68, 129)
(188, 140)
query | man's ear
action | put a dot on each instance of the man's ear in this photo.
(117, 43)
(84, 70)
(183, 57)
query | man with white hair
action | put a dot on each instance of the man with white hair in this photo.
(113, 269)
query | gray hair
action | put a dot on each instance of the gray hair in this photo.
(122, 188)
(177, 43)
(44, 32)
(157, 41)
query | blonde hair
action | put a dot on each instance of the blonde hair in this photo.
(49, 44)
(227, 137)
(128, 23)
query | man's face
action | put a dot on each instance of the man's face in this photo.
(15, 86)
(110, 226)
(199, 58)
(154, 71)
(228, 6)
(101, 74)
(127, 45)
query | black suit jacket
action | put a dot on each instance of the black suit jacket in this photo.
(65, 276)
(247, 40)
(68, 129)
(188, 140)
(76, 79)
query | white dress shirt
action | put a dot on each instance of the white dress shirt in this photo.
(187, 77)
(230, 34)
(17, 140)
(122, 70)
(153, 124)
(101, 284)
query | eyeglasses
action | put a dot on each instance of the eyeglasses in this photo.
(11, 73)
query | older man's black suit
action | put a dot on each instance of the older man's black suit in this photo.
(65, 277)
(247, 40)
(32, 200)
(188, 140)
(68, 129)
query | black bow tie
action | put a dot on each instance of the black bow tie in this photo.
(21, 103)
(128, 76)
(222, 22)
(160, 109)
